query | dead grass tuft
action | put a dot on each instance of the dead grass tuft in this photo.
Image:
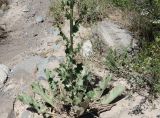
(3, 2)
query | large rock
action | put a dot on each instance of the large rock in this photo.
(6, 109)
(28, 64)
(48, 63)
(113, 35)
(4, 70)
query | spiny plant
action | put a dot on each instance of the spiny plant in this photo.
(74, 97)
(73, 91)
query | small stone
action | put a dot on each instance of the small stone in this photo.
(26, 9)
(35, 35)
(52, 58)
(54, 31)
(60, 59)
(41, 78)
(41, 69)
(56, 47)
(39, 19)
(25, 114)
(87, 49)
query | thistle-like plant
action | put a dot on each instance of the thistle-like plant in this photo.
(75, 96)
(75, 92)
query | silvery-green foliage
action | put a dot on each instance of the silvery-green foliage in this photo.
(76, 91)
(74, 88)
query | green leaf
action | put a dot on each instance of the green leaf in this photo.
(77, 100)
(97, 94)
(75, 28)
(38, 89)
(105, 82)
(90, 94)
(49, 74)
(114, 93)
(67, 15)
(39, 107)
(80, 82)
(25, 98)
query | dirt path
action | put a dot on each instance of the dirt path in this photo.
(28, 22)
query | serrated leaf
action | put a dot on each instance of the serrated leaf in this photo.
(97, 94)
(105, 82)
(80, 82)
(39, 107)
(38, 89)
(113, 94)
(90, 94)
(25, 98)
(49, 74)
(77, 100)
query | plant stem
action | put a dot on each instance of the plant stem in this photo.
(71, 25)
(71, 37)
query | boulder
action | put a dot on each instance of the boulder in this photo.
(6, 109)
(113, 35)
(4, 70)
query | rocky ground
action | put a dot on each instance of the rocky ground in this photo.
(32, 42)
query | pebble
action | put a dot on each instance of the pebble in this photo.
(25, 114)
(52, 58)
(54, 31)
(56, 47)
(39, 19)
(41, 67)
(87, 49)
(26, 10)
(61, 59)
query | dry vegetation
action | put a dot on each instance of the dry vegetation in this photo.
(3, 2)
(2, 30)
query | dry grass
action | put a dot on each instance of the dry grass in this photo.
(2, 33)
(3, 2)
